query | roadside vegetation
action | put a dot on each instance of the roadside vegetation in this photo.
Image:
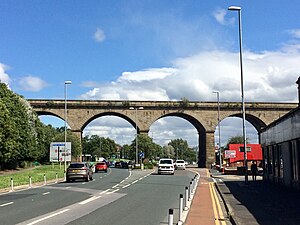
(21, 177)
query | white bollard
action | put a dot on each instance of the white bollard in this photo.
(171, 217)
(180, 209)
(45, 181)
(186, 198)
(56, 178)
(11, 184)
(30, 182)
(190, 190)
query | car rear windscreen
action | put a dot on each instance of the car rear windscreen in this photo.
(77, 165)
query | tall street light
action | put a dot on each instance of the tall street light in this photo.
(219, 129)
(65, 152)
(238, 9)
(136, 134)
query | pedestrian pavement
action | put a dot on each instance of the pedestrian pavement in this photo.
(258, 202)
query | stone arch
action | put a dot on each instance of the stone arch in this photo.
(47, 113)
(123, 116)
(204, 155)
(255, 121)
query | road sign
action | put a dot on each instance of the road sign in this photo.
(242, 149)
(230, 154)
(58, 152)
(142, 154)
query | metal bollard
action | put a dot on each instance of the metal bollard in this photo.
(180, 209)
(30, 182)
(186, 198)
(11, 184)
(171, 217)
(45, 182)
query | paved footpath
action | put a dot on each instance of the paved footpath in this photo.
(206, 208)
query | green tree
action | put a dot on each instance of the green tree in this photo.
(75, 142)
(180, 147)
(236, 140)
(23, 146)
(145, 145)
(99, 146)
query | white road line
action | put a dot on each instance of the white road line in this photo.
(126, 186)
(5, 204)
(141, 178)
(47, 217)
(102, 192)
(134, 182)
(108, 193)
(68, 187)
(89, 200)
(214, 180)
(115, 186)
(46, 193)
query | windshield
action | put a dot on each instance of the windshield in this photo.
(165, 161)
(76, 165)
(179, 161)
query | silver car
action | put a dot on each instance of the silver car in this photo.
(79, 170)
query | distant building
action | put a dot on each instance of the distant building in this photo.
(281, 148)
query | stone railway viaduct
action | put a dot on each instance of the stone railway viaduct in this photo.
(202, 115)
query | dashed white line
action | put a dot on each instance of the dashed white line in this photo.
(5, 204)
(89, 200)
(108, 193)
(46, 193)
(47, 217)
(126, 186)
(104, 191)
(115, 186)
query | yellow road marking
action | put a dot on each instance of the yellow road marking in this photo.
(219, 217)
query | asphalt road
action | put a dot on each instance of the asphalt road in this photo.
(119, 197)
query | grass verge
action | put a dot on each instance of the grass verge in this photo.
(37, 175)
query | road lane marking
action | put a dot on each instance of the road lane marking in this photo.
(219, 217)
(5, 204)
(46, 193)
(48, 217)
(115, 186)
(108, 193)
(102, 192)
(89, 200)
(126, 186)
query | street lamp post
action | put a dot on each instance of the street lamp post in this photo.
(136, 134)
(219, 128)
(65, 151)
(238, 9)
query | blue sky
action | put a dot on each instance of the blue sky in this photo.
(150, 50)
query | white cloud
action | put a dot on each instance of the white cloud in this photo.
(295, 33)
(99, 35)
(31, 83)
(4, 77)
(220, 16)
(268, 76)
